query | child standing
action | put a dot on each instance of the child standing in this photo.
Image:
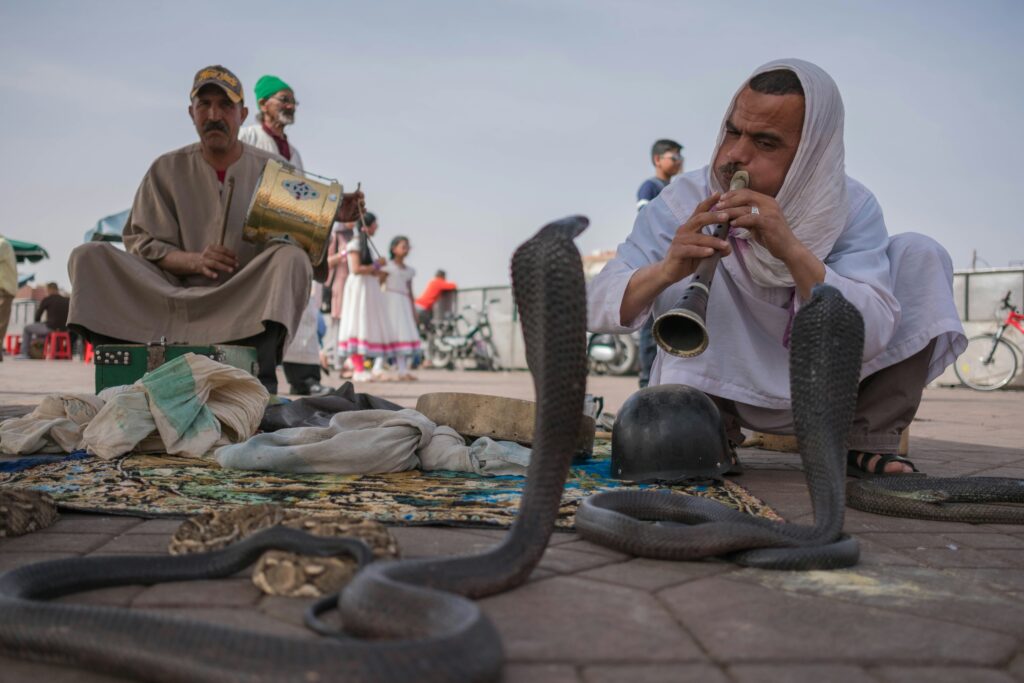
(401, 309)
(363, 330)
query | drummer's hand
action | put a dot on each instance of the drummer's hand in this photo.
(353, 204)
(215, 258)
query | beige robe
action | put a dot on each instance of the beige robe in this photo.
(180, 206)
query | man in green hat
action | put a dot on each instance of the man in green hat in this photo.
(276, 101)
(277, 104)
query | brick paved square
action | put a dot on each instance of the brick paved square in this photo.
(920, 610)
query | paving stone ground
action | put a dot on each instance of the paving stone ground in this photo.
(930, 602)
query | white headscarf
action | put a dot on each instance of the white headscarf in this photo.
(813, 195)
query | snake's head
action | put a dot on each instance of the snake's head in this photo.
(823, 291)
(570, 226)
(923, 495)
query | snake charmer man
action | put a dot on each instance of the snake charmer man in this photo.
(177, 280)
(800, 222)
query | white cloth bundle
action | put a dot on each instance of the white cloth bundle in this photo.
(813, 195)
(186, 406)
(374, 442)
(55, 426)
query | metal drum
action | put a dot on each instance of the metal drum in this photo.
(295, 206)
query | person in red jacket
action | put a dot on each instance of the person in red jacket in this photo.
(434, 289)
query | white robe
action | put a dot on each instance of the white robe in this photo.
(901, 285)
(305, 345)
(257, 137)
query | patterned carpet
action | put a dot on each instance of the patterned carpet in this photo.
(170, 486)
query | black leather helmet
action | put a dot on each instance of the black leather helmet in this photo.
(669, 433)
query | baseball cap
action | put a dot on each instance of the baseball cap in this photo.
(221, 77)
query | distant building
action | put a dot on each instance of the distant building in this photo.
(595, 261)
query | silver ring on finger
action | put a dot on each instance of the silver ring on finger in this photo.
(754, 211)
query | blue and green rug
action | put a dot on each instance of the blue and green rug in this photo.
(170, 486)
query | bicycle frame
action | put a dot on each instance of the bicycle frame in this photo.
(482, 324)
(1014, 318)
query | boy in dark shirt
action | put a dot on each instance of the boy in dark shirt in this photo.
(667, 157)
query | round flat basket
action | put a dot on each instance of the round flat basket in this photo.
(500, 418)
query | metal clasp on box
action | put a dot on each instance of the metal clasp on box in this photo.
(123, 357)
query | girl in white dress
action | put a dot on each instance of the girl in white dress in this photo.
(363, 330)
(401, 310)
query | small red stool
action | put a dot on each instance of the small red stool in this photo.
(58, 346)
(12, 344)
(88, 353)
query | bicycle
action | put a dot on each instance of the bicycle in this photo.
(990, 360)
(446, 343)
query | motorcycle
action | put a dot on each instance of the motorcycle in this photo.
(613, 354)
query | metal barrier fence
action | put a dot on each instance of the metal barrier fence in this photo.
(977, 294)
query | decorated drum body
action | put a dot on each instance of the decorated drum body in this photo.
(289, 204)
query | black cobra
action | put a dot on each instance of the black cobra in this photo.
(417, 615)
(824, 368)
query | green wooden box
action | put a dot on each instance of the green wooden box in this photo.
(118, 364)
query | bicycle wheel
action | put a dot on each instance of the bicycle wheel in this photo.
(987, 363)
(439, 355)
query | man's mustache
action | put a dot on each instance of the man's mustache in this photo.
(215, 125)
(727, 170)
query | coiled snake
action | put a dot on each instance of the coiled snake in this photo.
(417, 616)
(978, 500)
(825, 360)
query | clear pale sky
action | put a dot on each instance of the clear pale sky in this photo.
(470, 124)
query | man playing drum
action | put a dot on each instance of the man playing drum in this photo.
(801, 221)
(178, 281)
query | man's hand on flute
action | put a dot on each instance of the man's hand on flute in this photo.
(689, 247)
(770, 229)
